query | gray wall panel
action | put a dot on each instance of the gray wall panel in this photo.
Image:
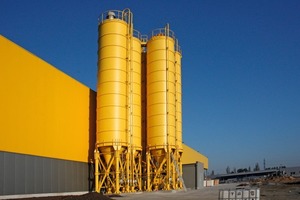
(47, 175)
(1, 172)
(38, 175)
(29, 174)
(193, 175)
(61, 177)
(9, 174)
(73, 176)
(26, 174)
(20, 174)
(82, 177)
(68, 175)
(200, 175)
(76, 181)
(54, 175)
(189, 174)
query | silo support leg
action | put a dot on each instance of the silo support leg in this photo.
(117, 181)
(148, 172)
(168, 171)
(96, 157)
(127, 172)
(106, 174)
(174, 179)
(140, 173)
(180, 171)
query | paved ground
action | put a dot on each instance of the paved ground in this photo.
(269, 191)
(209, 193)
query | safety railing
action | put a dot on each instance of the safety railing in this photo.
(177, 47)
(163, 32)
(116, 14)
(137, 34)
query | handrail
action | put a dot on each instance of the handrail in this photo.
(144, 38)
(163, 32)
(137, 34)
(114, 14)
(177, 47)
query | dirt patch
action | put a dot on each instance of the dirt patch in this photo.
(280, 192)
(88, 196)
(279, 188)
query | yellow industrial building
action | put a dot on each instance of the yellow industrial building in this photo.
(53, 127)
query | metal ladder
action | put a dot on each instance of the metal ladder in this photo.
(178, 172)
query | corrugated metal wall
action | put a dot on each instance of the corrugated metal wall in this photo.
(193, 175)
(25, 174)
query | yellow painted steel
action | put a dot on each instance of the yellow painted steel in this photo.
(191, 156)
(179, 148)
(135, 97)
(118, 105)
(178, 100)
(160, 92)
(161, 112)
(112, 123)
(44, 112)
(135, 116)
(112, 86)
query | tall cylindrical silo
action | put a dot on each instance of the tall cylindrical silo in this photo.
(135, 92)
(118, 137)
(179, 148)
(161, 105)
(178, 56)
(134, 115)
(160, 92)
(112, 86)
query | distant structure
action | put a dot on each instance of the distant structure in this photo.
(291, 171)
(246, 176)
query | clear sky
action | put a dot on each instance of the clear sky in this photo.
(240, 66)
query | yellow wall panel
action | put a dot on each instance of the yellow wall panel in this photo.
(192, 156)
(44, 112)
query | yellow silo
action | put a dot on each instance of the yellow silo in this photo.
(135, 92)
(134, 168)
(178, 55)
(161, 110)
(178, 100)
(118, 137)
(138, 108)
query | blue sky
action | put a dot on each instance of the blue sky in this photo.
(240, 66)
